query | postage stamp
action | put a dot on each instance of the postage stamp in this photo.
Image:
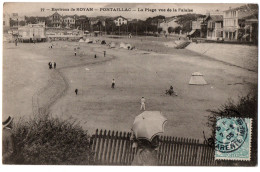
(233, 139)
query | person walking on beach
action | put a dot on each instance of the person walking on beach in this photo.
(50, 65)
(54, 65)
(7, 140)
(104, 53)
(142, 103)
(76, 91)
(95, 56)
(113, 83)
(75, 51)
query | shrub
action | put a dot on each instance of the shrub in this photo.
(49, 140)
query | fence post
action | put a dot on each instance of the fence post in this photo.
(98, 146)
(103, 138)
(171, 151)
(127, 149)
(180, 151)
(115, 146)
(118, 147)
(191, 151)
(167, 152)
(110, 146)
(107, 147)
(122, 152)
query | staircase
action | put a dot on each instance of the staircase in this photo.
(182, 45)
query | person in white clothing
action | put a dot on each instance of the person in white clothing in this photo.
(142, 103)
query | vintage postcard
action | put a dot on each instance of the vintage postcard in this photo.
(153, 84)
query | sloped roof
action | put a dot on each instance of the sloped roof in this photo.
(56, 13)
(72, 16)
(215, 17)
(120, 17)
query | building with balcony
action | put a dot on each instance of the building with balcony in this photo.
(214, 27)
(69, 21)
(240, 23)
(56, 19)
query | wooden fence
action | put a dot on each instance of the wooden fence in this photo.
(115, 148)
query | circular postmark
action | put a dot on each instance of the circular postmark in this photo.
(231, 133)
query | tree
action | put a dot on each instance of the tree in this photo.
(110, 25)
(160, 30)
(177, 29)
(22, 23)
(170, 29)
(31, 20)
(185, 21)
(13, 23)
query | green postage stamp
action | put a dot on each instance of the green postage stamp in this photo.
(233, 139)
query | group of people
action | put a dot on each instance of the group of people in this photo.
(50, 65)
(170, 91)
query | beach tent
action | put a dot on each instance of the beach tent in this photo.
(122, 45)
(112, 45)
(81, 40)
(197, 79)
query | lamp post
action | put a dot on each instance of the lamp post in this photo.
(119, 29)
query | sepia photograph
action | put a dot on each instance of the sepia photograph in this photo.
(130, 84)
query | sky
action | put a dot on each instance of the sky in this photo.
(34, 9)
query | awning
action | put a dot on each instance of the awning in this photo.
(192, 32)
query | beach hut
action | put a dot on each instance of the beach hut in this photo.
(197, 79)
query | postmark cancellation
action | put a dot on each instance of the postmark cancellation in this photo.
(233, 139)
